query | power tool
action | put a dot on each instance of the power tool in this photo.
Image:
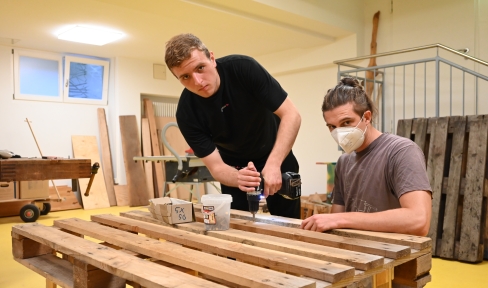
(291, 188)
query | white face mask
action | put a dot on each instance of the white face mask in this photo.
(349, 138)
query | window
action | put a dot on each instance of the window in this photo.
(39, 76)
(85, 80)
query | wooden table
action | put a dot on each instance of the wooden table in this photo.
(35, 169)
(270, 252)
(29, 169)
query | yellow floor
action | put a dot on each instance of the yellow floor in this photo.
(444, 273)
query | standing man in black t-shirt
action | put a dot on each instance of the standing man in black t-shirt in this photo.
(237, 119)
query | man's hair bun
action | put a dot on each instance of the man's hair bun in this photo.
(351, 82)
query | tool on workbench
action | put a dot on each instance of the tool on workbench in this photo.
(94, 171)
(291, 188)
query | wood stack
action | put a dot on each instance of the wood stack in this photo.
(455, 149)
(314, 204)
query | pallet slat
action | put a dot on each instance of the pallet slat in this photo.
(453, 187)
(435, 169)
(471, 242)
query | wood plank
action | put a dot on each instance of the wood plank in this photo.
(106, 156)
(317, 269)
(12, 207)
(218, 267)
(122, 195)
(414, 242)
(69, 202)
(365, 246)
(131, 146)
(418, 283)
(404, 128)
(415, 268)
(85, 275)
(419, 128)
(87, 147)
(453, 187)
(115, 262)
(54, 269)
(435, 170)
(24, 248)
(471, 242)
(24, 169)
(146, 151)
(158, 167)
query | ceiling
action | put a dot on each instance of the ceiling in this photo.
(252, 27)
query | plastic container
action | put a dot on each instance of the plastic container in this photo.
(216, 211)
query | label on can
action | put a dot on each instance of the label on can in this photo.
(209, 215)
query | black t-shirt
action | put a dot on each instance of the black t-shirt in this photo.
(238, 119)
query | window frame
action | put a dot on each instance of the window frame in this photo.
(18, 53)
(106, 69)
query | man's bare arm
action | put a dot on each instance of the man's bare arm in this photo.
(412, 218)
(287, 133)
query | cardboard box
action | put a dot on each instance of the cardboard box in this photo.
(34, 189)
(171, 210)
(8, 190)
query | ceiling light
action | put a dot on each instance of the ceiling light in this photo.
(90, 35)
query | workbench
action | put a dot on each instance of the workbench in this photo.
(30, 169)
(36, 169)
(140, 251)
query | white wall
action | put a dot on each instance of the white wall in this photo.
(453, 23)
(134, 77)
(306, 75)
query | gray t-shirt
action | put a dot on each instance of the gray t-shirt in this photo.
(374, 179)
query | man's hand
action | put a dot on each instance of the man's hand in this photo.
(272, 179)
(248, 178)
(321, 222)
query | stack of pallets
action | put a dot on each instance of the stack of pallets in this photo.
(456, 152)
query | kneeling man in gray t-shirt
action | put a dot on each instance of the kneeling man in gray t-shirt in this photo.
(381, 180)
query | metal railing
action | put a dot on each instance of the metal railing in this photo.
(426, 87)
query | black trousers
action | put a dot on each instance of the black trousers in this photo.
(277, 204)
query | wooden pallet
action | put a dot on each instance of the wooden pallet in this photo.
(139, 250)
(455, 149)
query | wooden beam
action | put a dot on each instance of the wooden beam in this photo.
(23, 169)
(131, 146)
(158, 167)
(146, 151)
(54, 269)
(106, 156)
